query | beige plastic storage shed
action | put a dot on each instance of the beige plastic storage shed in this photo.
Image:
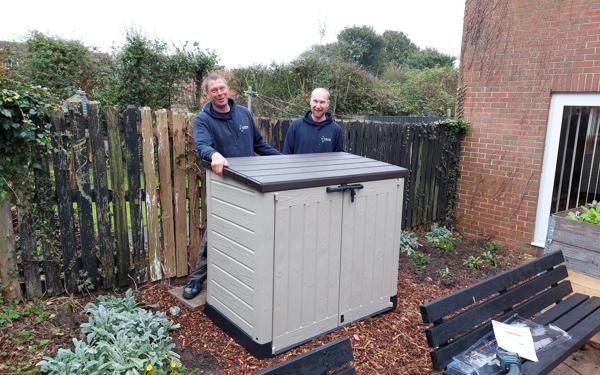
(299, 245)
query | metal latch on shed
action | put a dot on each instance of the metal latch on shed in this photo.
(345, 187)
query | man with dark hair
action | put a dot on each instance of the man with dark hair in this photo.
(221, 129)
(316, 131)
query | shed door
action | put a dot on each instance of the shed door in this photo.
(306, 265)
(369, 253)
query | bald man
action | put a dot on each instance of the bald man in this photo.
(316, 131)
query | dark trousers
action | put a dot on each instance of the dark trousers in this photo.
(199, 272)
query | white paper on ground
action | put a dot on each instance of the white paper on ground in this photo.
(515, 339)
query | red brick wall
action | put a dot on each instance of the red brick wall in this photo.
(515, 54)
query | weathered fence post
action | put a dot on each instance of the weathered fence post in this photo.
(179, 120)
(119, 201)
(194, 195)
(105, 241)
(166, 193)
(51, 261)
(84, 199)
(71, 264)
(154, 262)
(8, 257)
(28, 244)
(132, 158)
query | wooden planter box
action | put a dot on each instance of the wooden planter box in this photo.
(580, 243)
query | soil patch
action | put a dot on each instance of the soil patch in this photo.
(459, 275)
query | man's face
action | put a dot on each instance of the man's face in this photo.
(218, 93)
(319, 102)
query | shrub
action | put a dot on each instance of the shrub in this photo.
(120, 338)
(408, 242)
(441, 237)
(24, 133)
(419, 258)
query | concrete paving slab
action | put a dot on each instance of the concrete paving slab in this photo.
(194, 303)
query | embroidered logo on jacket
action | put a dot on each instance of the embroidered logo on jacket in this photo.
(325, 139)
(243, 127)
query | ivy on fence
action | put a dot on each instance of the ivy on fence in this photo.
(26, 142)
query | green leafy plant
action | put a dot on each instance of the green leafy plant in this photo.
(147, 74)
(84, 282)
(37, 310)
(490, 257)
(492, 246)
(120, 337)
(589, 213)
(408, 242)
(444, 272)
(446, 244)
(441, 237)
(24, 133)
(419, 258)
(473, 262)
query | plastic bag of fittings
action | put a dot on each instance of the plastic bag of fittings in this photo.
(481, 357)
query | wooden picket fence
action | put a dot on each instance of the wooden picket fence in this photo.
(129, 195)
(128, 205)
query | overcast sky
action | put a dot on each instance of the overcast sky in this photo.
(241, 32)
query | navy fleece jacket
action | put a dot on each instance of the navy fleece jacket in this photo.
(231, 134)
(306, 136)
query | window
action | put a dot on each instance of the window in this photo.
(576, 179)
(571, 162)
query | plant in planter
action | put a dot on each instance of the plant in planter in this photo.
(590, 213)
(576, 233)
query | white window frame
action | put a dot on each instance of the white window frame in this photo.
(557, 104)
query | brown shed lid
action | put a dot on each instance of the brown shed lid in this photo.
(299, 171)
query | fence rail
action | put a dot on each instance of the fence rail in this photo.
(130, 195)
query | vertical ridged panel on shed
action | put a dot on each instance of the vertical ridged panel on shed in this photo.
(307, 256)
(369, 259)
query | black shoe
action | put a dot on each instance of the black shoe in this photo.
(192, 288)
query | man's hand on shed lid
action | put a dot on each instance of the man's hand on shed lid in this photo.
(218, 162)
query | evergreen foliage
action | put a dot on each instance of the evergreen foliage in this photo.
(142, 72)
(365, 72)
(24, 133)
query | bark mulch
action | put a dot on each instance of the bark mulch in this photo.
(391, 343)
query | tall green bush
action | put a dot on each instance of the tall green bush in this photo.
(142, 72)
(148, 73)
(421, 92)
(366, 73)
(63, 66)
(24, 133)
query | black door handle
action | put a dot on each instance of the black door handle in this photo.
(345, 187)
